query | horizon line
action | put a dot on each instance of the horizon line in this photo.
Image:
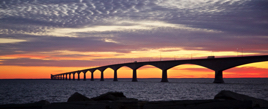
(128, 78)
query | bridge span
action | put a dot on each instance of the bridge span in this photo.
(216, 64)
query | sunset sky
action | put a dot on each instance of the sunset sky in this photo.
(43, 37)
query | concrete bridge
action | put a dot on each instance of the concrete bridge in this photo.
(216, 64)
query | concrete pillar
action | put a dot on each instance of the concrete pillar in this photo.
(102, 79)
(69, 76)
(115, 74)
(85, 76)
(218, 77)
(92, 76)
(66, 76)
(134, 76)
(78, 76)
(164, 75)
(73, 76)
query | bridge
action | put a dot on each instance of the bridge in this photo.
(216, 64)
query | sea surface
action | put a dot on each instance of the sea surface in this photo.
(28, 91)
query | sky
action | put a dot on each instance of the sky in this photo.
(43, 37)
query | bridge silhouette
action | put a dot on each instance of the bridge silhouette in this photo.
(216, 64)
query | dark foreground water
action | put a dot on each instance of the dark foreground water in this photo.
(25, 91)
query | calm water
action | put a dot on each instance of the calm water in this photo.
(25, 91)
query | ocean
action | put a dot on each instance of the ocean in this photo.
(28, 91)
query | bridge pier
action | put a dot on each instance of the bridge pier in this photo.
(78, 75)
(218, 77)
(134, 77)
(85, 76)
(66, 76)
(92, 77)
(115, 75)
(102, 79)
(164, 75)
(73, 76)
(69, 76)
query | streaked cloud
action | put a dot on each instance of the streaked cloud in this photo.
(121, 26)
(9, 40)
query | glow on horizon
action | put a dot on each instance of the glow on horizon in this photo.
(148, 71)
(181, 71)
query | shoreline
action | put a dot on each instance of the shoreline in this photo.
(117, 100)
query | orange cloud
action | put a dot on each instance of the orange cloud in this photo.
(16, 56)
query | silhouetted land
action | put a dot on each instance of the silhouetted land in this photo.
(117, 100)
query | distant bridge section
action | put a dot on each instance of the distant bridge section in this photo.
(216, 64)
